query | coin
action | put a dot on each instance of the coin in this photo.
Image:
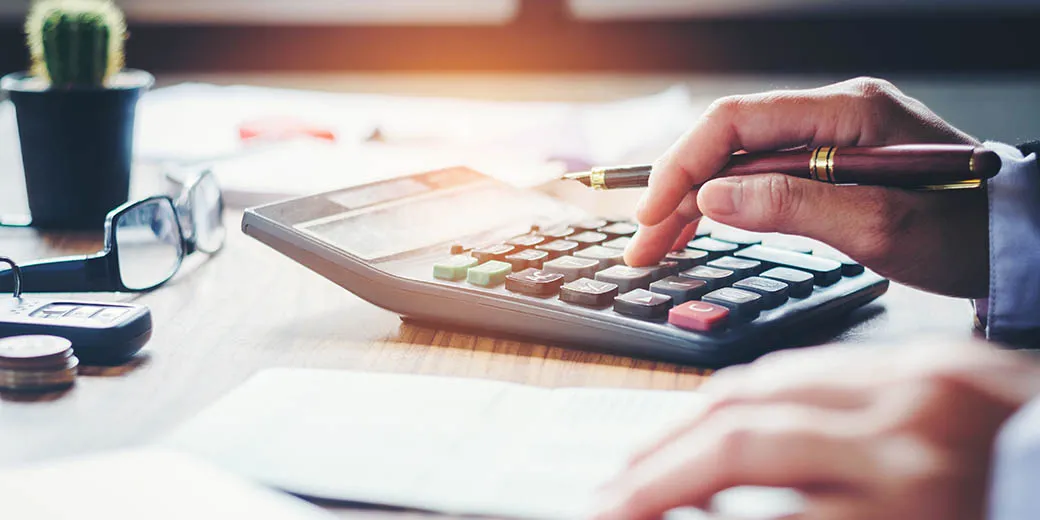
(33, 346)
(40, 380)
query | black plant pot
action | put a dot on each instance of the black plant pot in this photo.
(77, 147)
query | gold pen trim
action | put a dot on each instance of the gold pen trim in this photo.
(821, 164)
(970, 184)
(597, 179)
(830, 163)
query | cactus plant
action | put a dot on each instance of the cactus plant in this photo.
(75, 43)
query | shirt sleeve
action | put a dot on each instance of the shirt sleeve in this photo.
(1016, 467)
(1013, 308)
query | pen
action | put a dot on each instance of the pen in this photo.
(910, 166)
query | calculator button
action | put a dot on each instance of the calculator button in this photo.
(698, 316)
(715, 248)
(619, 229)
(526, 258)
(528, 240)
(618, 243)
(849, 267)
(488, 274)
(606, 256)
(495, 252)
(790, 243)
(800, 283)
(742, 305)
(558, 248)
(591, 293)
(453, 268)
(742, 267)
(84, 312)
(627, 278)
(642, 303)
(572, 267)
(825, 271)
(108, 314)
(588, 238)
(591, 224)
(680, 289)
(713, 276)
(705, 227)
(534, 282)
(557, 231)
(663, 270)
(52, 311)
(736, 236)
(774, 292)
(687, 258)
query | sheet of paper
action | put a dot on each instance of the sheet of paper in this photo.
(463, 446)
(131, 485)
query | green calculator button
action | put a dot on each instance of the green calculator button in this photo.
(489, 273)
(453, 268)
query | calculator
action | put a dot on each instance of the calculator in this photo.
(457, 248)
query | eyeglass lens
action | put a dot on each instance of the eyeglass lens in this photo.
(206, 207)
(148, 244)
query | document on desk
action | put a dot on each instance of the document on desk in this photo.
(465, 446)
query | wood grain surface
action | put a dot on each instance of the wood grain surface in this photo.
(222, 318)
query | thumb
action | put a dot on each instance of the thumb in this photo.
(853, 219)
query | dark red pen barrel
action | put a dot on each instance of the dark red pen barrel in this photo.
(898, 166)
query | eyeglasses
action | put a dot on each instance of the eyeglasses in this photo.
(145, 243)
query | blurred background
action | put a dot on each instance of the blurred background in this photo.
(975, 62)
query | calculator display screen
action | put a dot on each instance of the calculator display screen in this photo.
(415, 223)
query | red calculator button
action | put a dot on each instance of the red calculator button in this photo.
(699, 316)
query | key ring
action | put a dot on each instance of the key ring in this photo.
(17, 272)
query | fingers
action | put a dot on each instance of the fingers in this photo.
(854, 219)
(788, 446)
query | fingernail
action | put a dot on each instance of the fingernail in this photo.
(722, 196)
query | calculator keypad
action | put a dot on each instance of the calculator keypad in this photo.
(723, 278)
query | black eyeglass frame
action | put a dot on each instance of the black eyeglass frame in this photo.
(99, 272)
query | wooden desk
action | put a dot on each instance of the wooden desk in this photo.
(223, 318)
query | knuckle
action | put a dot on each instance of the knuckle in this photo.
(873, 88)
(782, 199)
(725, 107)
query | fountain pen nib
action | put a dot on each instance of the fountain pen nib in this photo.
(582, 177)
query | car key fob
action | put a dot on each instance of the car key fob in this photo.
(101, 333)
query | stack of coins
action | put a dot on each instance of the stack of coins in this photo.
(36, 363)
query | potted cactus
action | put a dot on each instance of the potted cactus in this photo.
(75, 111)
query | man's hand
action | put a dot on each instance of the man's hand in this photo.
(935, 241)
(865, 433)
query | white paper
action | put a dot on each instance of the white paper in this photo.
(464, 446)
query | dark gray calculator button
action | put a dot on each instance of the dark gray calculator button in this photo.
(680, 289)
(591, 293)
(528, 240)
(110, 313)
(526, 258)
(736, 236)
(558, 248)
(591, 224)
(606, 256)
(713, 276)
(774, 292)
(849, 267)
(534, 282)
(588, 238)
(618, 243)
(495, 252)
(557, 231)
(800, 283)
(627, 278)
(642, 303)
(742, 267)
(572, 267)
(743, 305)
(687, 258)
(664, 269)
(619, 229)
(715, 248)
(824, 270)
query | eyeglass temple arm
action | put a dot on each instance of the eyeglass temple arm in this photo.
(72, 274)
